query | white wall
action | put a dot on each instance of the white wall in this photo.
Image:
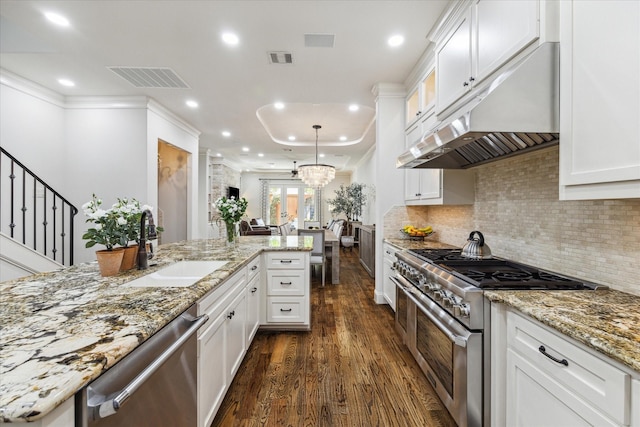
(390, 123)
(82, 146)
(365, 173)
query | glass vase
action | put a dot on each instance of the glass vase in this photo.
(232, 232)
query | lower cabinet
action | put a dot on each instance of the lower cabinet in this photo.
(545, 378)
(368, 248)
(254, 292)
(287, 299)
(221, 344)
(389, 288)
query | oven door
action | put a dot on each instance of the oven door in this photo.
(451, 358)
(402, 306)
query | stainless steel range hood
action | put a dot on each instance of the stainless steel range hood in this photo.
(515, 112)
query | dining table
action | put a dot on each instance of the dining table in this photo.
(332, 243)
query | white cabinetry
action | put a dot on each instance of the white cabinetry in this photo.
(439, 187)
(389, 287)
(421, 99)
(221, 343)
(541, 377)
(287, 298)
(62, 416)
(254, 292)
(485, 37)
(599, 100)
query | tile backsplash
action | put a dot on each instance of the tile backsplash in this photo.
(517, 209)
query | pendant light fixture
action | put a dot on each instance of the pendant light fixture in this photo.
(316, 175)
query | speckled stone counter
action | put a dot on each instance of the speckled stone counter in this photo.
(607, 321)
(417, 244)
(61, 330)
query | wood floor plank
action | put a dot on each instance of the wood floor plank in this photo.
(351, 369)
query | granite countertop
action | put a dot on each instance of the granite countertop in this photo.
(61, 330)
(418, 244)
(606, 320)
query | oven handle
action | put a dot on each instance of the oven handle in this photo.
(459, 340)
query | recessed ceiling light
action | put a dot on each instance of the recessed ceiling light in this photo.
(66, 82)
(343, 138)
(191, 103)
(230, 39)
(218, 155)
(292, 138)
(395, 40)
(321, 154)
(353, 107)
(260, 154)
(278, 105)
(245, 149)
(226, 133)
(57, 19)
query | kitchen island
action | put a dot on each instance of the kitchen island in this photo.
(61, 330)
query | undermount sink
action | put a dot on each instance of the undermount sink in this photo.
(178, 275)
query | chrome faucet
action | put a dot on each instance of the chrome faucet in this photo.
(143, 256)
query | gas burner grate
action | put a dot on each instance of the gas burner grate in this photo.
(511, 276)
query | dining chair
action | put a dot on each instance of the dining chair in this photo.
(318, 256)
(285, 229)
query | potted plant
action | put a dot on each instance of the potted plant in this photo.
(107, 229)
(231, 210)
(349, 200)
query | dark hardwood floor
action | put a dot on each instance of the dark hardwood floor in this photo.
(351, 369)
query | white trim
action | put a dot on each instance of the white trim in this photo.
(172, 118)
(31, 88)
(113, 102)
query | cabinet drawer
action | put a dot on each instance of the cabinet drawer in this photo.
(214, 302)
(286, 282)
(585, 374)
(253, 268)
(285, 259)
(286, 310)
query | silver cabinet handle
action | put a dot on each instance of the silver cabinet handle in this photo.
(111, 406)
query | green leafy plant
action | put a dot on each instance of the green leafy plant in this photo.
(108, 226)
(349, 200)
(231, 209)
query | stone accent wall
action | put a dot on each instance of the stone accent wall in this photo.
(518, 211)
(221, 178)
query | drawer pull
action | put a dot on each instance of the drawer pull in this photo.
(286, 283)
(231, 314)
(286, 311)
(285, 261)
(253, 290)
(254, 268)
(544, 351)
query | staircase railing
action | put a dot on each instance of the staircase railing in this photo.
(33, 213)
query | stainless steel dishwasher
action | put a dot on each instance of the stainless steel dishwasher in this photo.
(155, 385)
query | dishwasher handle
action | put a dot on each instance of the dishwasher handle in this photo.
(111, 406)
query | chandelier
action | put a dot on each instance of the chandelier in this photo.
(316, 175)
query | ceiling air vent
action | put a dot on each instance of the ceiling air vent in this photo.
(280, 58)
(319, 40)
(150, 77)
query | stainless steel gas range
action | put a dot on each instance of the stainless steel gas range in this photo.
(445, 320)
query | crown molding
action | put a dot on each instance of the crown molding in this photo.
(158, 109)
(31, 88)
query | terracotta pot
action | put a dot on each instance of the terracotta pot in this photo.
(130, 258)
(110, 261)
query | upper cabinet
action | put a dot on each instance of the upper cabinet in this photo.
(599, 100)
(483, 38)
(422, 98)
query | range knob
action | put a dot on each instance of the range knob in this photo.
(438, 295)
(433, 286)
(422, 279)
(461, 310)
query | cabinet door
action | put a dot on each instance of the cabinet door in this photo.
(503, 28)
(536, 399)
(253, 308)
(389, 286)
(600, 100)
(412, 184)
(413, 105)
(430, 183)
(453, 59)
(235, 334)
(212, 375)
